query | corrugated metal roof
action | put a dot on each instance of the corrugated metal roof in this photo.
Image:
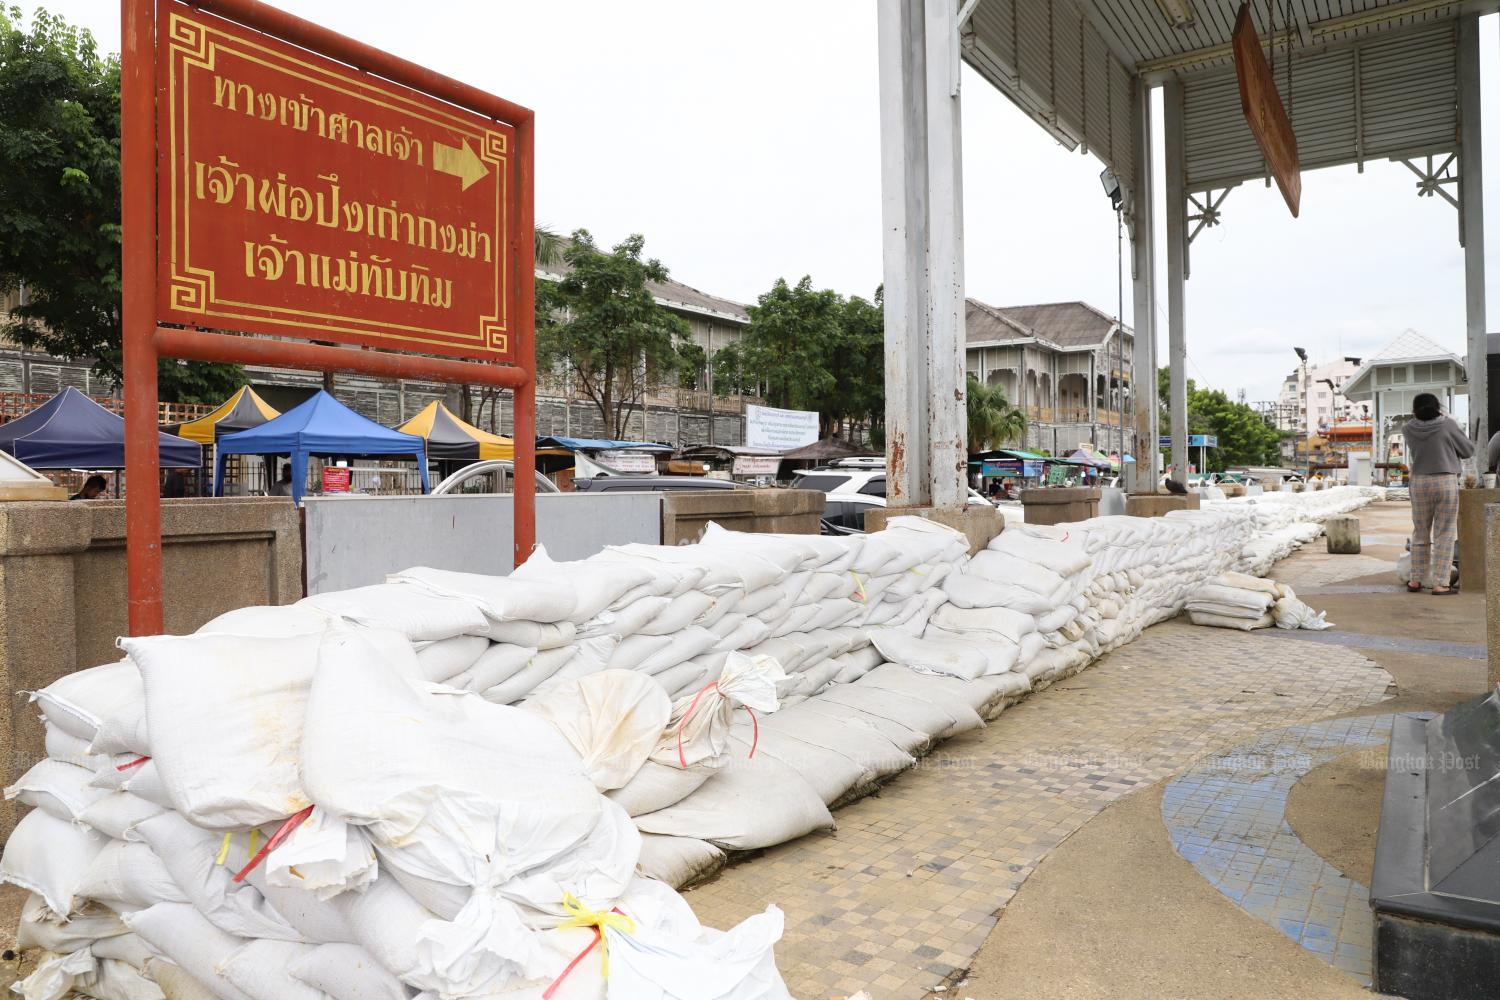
(1371, 79)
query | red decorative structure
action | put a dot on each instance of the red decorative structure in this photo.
(282, 179)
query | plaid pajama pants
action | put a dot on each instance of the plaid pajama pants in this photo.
(1434, 518)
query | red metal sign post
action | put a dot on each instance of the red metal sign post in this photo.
(283, 179)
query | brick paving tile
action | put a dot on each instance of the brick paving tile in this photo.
(922, 870)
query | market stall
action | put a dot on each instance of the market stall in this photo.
(321, 427)
(71, 431)
(450, 439)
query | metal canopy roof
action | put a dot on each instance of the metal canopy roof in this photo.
(1371, 79)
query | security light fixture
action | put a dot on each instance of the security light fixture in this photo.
(1179, 12)
(1301, 353)
(1112, 188)
(1353, 361)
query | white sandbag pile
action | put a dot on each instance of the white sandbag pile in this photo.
(1239, 601)
(451, 785)
(305, 814)
(1234, 600)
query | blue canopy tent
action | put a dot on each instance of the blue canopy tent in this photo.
(71, 431)
(320, 426)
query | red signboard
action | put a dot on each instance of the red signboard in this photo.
(280, 178)
(1264, 112)
(336, 479)
(303, 198)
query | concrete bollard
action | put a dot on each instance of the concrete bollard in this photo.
(1343, 535)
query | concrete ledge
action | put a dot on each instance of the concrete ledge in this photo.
(685, 514)
(1471, 547)
(1157, 504)
(63, 589)
(1060, 504)
(978, 524)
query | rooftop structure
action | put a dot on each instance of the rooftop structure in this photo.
(1358, 80)
(1066, 365)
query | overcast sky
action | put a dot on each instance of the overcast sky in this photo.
(742, 138)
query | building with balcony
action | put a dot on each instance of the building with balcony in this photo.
(1066, 365)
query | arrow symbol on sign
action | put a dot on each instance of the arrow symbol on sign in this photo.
(461, 161)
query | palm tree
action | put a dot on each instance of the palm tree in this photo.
(993, 422)
(549, 247)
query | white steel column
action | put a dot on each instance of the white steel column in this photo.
(926, 442)
(947, 413)
(903, 180)
(1471, 230)
(1176, 274)
(1145, 435)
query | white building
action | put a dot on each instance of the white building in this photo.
(1388, 382)
(1319, 403)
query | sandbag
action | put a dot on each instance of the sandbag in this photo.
(129, 875)
(539, 668)
(495, 665)
(414, 611)
(186, 937)
(44, 929)
(116, 814)
(50, 857)
(347, 972)
(445, 658)
(595, 587)
(656, 786)
(613, 720)
(678, 861)
(80, 702)
(500, 599)
(383, 749)
(750, 803)
(64, 790)
(228, 728)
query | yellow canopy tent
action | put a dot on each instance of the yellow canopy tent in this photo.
(239, 412)
(451, 439)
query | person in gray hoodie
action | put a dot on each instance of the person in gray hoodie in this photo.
(1435, 449)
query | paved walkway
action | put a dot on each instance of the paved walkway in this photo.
(1227, 817)
(900, 898)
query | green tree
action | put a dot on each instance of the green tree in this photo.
(601, 324)
(993, 422)
(60, 192)
(1244, 437)
(810, 349)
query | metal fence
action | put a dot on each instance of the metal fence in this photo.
(18, 404)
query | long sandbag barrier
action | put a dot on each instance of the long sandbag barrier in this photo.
(457, 786)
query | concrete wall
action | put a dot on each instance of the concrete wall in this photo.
(355, 541)
(685, 515)
(63, 589)
(1471, 536)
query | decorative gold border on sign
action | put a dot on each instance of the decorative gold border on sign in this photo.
(192, 289)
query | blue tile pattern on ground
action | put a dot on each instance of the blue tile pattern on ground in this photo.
(1227, 817)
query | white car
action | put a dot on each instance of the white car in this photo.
(863, 480)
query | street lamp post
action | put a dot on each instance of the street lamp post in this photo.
(1306, 407)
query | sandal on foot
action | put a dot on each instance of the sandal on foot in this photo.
(1447, 592)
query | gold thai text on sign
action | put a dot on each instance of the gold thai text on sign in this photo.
(303, 198)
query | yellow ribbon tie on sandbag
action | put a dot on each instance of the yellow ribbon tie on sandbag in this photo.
(582, 916)
(224, 847)
(860, 586)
